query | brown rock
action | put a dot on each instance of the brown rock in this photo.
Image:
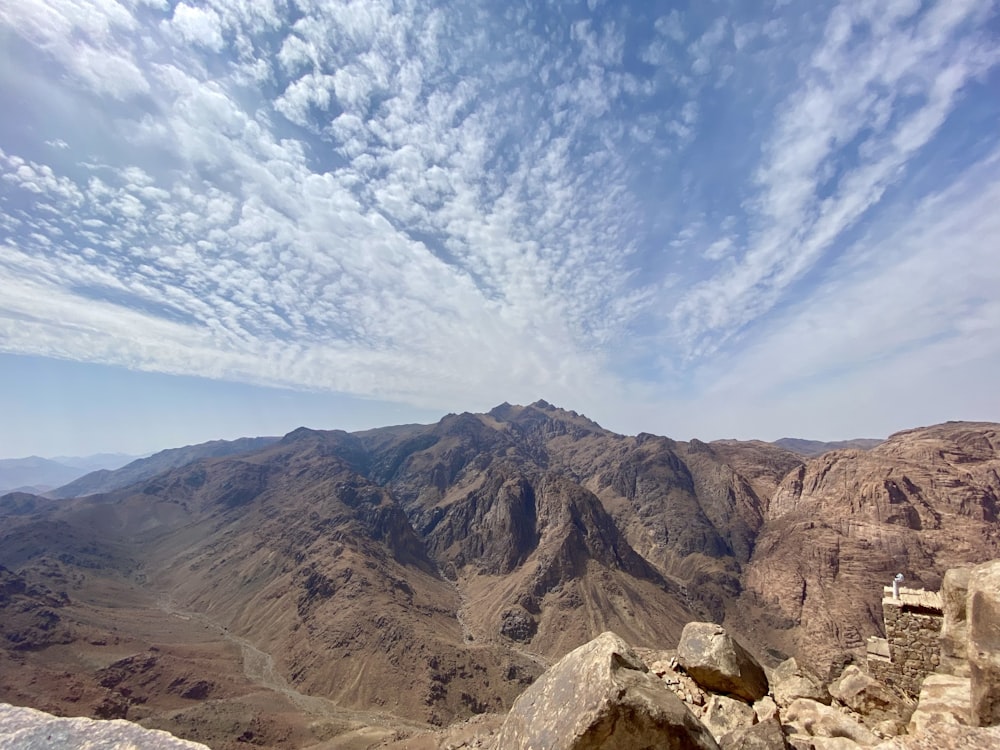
(766, 735)
(789, 682)
(944, 699)
(765, 709)
(838, 529)
(723, 715)
(869, 697)
(984, 643)
(600, 696)
(813, 719)
(718, 663)
(946, 737)
(954, 630)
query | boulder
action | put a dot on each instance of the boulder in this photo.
(954, 628)
(867, 696)
(944, 699)
(983, 610)
(601, 696)
(718, 663)
(834, 743)
(814, 719)
(789, 682)
(766, 735)
(765, 709)
(946, 737)
(30, 729)
(723, 715)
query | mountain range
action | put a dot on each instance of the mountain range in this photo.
(40, 475)
(333, 585)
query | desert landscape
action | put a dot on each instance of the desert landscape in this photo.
(338, 590)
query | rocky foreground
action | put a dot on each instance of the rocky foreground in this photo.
(708, 694)
(712, 694)
(360, 586)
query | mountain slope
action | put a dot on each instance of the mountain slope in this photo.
(840, 527)
(430, 571)
(104, 480)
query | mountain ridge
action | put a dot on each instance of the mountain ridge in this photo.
(455, 560)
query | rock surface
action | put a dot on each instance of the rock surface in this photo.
(723, 715)
(869, 697)
(955, 629)
(984, 643)
(601, 696)
(789, 682)
(29, 729)
(922, 502)
(813, 719)
(947, 737)
(944, 699)
(718, 663)
(766, 735)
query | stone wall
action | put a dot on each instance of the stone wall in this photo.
(912, 629)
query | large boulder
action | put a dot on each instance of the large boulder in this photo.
(790, 682)
(947, 737)
(867, 696)
(983, 609)
(718, 663)
(766, 735)
(724, 714)
(954, 628)
(944, 699)
(598, 697)
(30, 729)
(815, 720)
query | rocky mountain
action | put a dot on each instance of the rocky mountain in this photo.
(108, 479)
(839, 527)
(42, 474)
(422, 573)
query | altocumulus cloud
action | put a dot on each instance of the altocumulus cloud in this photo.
(459, 203)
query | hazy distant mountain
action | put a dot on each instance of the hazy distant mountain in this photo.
(104, 480)
(818, 447)
(97, 461)
(36, 474)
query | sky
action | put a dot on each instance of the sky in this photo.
(705, 219)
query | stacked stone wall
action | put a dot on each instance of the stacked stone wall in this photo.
(914, 648)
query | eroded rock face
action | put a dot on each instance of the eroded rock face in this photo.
(29, 729)
(599, 697)
(954, 629)
(718, 663)
(984, 643)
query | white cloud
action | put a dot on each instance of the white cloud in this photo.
(201, 26)
(413, 203)
(845, 90)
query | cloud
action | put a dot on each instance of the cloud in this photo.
(841, 140)
(444, 204)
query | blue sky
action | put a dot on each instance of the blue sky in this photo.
(714, 219)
